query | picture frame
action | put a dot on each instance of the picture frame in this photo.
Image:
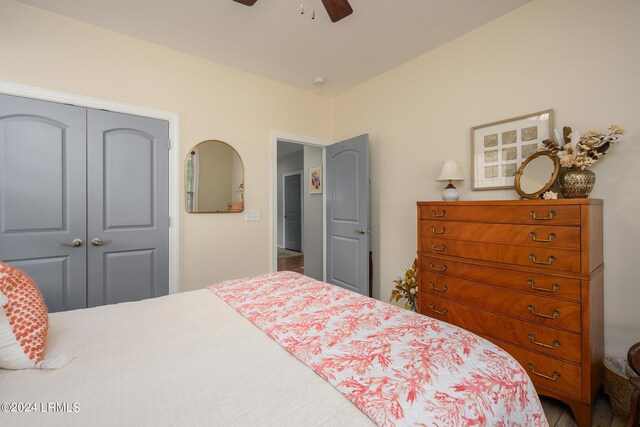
(315, 180)
(499, 148)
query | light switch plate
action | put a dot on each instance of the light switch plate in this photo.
(252, 216)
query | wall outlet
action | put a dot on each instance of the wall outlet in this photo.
(252, 216)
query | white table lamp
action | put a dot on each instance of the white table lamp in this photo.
(450, 172)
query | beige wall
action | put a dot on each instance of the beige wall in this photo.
(579, 57)
(214, 102)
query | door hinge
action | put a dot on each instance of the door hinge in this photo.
(169, 221)
(169, 145)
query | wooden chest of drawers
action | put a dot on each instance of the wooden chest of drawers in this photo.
(526, 275)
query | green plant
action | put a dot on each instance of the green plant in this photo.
(407, 287)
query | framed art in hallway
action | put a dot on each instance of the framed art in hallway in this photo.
(315, 180)
(499, 148)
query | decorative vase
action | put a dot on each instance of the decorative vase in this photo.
(576, 183)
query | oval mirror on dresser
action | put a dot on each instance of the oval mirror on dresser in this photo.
(214, 179)
(536, 174)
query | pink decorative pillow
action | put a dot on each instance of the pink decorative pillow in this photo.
(24, 320)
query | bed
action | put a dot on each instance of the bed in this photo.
(254, 352)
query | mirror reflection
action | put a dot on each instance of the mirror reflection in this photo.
(536, 175)
(214, 179)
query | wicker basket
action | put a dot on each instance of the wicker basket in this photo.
(617, 386)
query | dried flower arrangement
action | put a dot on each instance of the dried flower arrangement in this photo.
(583, 151)
(407, 287)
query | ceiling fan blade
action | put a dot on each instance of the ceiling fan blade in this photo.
(246, 2)
(337, 9)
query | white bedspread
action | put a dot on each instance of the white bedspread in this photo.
(182, 360)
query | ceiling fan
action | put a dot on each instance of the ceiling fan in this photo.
(337, 9)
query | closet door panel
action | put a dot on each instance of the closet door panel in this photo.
(43, 196)
(128, 207)
(129, 276)
(128, 161)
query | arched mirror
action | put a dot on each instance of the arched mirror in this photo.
(214, 179)
(536, 174)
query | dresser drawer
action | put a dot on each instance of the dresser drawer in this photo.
(532, 235)
(544, 258)
(514, 214)
(545, 372)
(543, 310)
(535, 284)
(561, 344)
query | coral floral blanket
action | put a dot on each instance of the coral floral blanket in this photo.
(398, 367)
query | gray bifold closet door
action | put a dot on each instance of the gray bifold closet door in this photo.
(84, 202)
(127, 208)
(43, 206)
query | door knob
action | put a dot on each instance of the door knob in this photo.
(363, 231)
(75, 243)
(99, 242)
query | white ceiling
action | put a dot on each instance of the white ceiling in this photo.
(274, 40)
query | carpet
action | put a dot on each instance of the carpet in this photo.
(286, 253)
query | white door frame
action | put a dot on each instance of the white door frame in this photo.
(284, 229)
(33, 92)
(274, 137)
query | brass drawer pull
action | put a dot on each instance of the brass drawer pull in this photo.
(444, 288)
(443, 312)
(440, 249)
(554, 345)
(535, 239)
(433, 230)
(555, 374)
(549, 260)
(441, 270)
(534, 216)
(435, 215)
(554, 288)
(555, 313)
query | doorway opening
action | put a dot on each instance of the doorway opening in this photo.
(300, 237)
(335, 209)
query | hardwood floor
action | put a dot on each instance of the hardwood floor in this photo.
(559, 415)
(293, 263)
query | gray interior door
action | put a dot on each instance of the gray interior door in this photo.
(43, 196)
(347, 188)
(128, 207)
(293, 212)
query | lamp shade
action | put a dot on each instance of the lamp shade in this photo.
(450, 171)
